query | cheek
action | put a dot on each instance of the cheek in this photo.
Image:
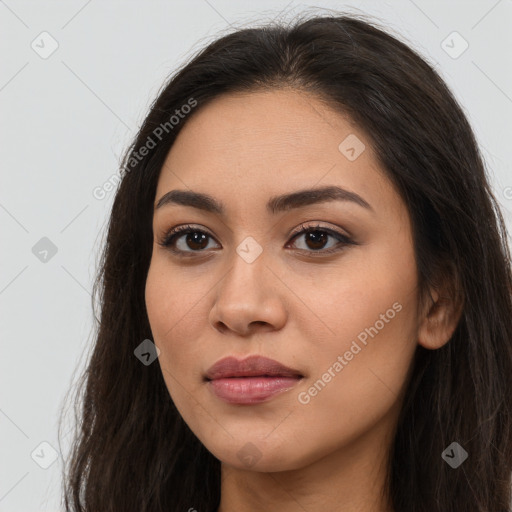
(172, 297)
(176, 315)
(343, 300)
(358, 375)
(372, 320)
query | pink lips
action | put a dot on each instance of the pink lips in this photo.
(251, 380)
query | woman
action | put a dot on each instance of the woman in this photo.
(305, 291)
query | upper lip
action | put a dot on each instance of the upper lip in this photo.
(252, 366)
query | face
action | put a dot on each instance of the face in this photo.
(337, 303)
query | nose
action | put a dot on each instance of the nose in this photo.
(249, 298)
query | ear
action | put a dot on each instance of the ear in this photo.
(440, 318)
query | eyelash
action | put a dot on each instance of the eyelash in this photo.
(175, 233)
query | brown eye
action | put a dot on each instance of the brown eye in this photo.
(186, 239)
(196, 240)
(316, 238)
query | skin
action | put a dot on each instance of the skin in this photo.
(297, 308)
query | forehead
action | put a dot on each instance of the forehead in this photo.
(284, 124)
(259, 144)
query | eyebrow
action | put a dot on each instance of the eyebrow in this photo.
(275, 204)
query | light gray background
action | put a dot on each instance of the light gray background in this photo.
(65, 122)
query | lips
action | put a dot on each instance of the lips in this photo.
(252, 366)
(250, 381)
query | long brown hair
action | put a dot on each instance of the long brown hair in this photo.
(133, 451)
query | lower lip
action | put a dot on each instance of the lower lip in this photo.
(250, 390)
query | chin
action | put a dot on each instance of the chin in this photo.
(248, 453)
